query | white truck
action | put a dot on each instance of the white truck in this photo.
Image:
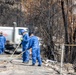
(13, 37)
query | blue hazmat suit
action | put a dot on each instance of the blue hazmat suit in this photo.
(34, 44)
(2, 43)
(25, 43)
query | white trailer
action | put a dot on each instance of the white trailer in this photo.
(13, 37)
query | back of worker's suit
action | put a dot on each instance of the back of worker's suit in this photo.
(34, 44)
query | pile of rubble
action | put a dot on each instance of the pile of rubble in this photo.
(67, 68)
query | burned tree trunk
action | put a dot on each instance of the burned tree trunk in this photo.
(74, 50)
(66, 32)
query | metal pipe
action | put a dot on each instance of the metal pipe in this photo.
(62, 59)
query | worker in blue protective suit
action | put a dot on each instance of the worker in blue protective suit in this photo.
(34, 45)
(25, 42)
(2, 43)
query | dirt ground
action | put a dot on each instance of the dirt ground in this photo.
(16, 67)
(19, 68)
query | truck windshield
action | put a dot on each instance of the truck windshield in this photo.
(19, 31)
